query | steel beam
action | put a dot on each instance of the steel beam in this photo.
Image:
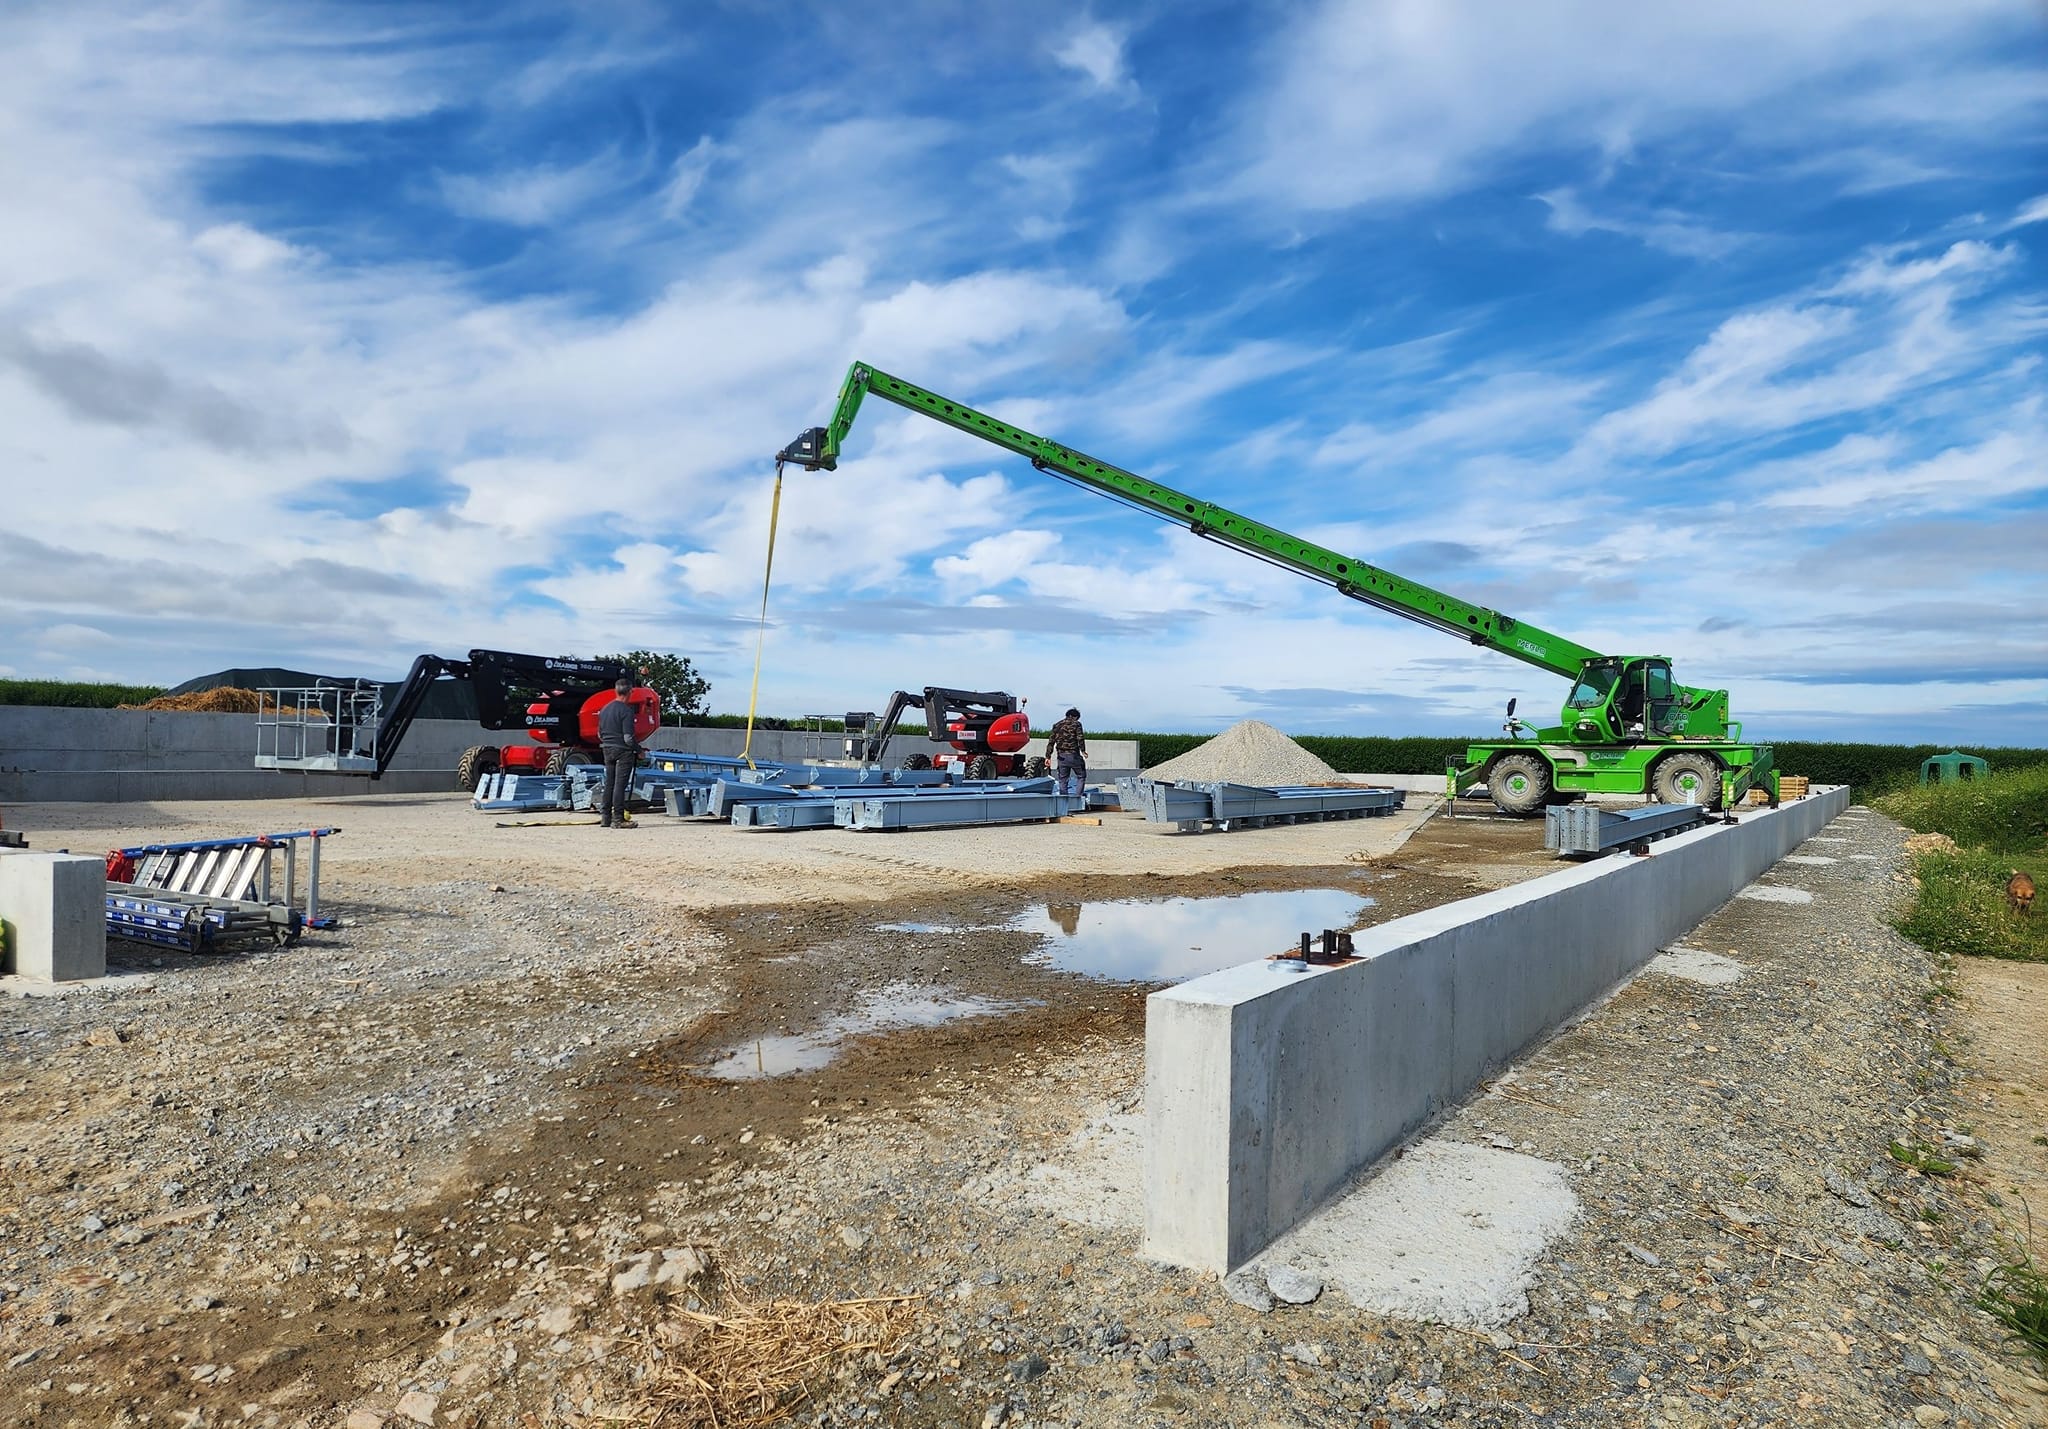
(1189, 805)
(1587, 829)
(950, 810)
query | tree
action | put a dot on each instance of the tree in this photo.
(673, 677)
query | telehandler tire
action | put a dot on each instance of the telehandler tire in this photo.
(1036, 768)
(1519, 784)
(477, 761)
(917, 761)
(982, 766)
(1687, 779)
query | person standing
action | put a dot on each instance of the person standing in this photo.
(1069, 745)
(621, 748)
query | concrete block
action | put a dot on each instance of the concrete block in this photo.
(55, 905)
(1266, 1091)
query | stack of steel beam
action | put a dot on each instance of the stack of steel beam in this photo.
(829, 807)
(953, 808)
(1190, 805)
(1587, 829)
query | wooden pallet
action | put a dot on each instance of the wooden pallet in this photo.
(1790, 786)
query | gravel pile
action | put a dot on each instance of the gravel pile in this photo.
(1249, 752)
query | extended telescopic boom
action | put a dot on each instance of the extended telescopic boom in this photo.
(818, 449)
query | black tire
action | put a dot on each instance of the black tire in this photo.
(1687, 779)
(982, 766)
(561, 757)
(1519, 784)
(1036, 767)
(477, 761)
(917, 761)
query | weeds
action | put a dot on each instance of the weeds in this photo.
(2000, 824)
(2016, 1295)
(1962, 909)
(1921, 1158)
(2004, 813)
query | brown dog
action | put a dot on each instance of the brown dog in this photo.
(2019, 893)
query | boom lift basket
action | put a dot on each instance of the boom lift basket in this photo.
(319, 729)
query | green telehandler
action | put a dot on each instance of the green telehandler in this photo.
(1627, 727)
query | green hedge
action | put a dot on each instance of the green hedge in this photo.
(1872, 767)
(72, 694)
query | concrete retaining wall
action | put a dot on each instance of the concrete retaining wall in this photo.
(1265, 1092)
(50, 754)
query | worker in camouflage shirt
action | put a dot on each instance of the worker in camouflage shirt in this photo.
(1068, 744)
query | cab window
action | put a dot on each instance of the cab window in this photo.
(1595, 681)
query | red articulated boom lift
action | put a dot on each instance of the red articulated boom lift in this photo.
(988, 729)
(555, 700)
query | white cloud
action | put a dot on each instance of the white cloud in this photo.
(687, 175)
(1663, 229)
(67, 636)
(243, 249)
(2034, 210)
(1887, 325)
(1365, 100)
(1858, 477)
(531, 197)
(1097, 52)
(994, 560)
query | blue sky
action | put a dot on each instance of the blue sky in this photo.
(332, 334)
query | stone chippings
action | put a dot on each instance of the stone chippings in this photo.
(1249, 752)
(1748, 1254)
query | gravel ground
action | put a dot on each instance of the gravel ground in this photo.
(446, 1168)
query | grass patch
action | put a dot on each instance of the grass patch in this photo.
(1962, 908)
(2000, 826)
(2004, 813)
(2016, 1295)
(1922, 1159)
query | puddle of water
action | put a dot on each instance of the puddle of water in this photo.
(919, 928)
(1173, 939)
(893, 1009)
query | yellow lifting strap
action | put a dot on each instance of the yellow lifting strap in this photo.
(761, 636)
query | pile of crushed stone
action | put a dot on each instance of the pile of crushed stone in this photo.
(1249, 752)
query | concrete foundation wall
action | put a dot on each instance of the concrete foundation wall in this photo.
(1266, 1091)
(49, 755)
(105, 756)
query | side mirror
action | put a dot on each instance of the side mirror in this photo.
(1511, 709)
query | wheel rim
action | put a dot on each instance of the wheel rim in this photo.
(1518, 784)
(1690, 782)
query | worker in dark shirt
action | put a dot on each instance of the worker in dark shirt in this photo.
(1069, 745)
(621, 755)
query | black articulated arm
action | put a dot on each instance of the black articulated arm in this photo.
(406, 707)
(505, 682)
(879, 735)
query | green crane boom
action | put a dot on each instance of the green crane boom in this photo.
(1358, 579)
(1627, 726)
